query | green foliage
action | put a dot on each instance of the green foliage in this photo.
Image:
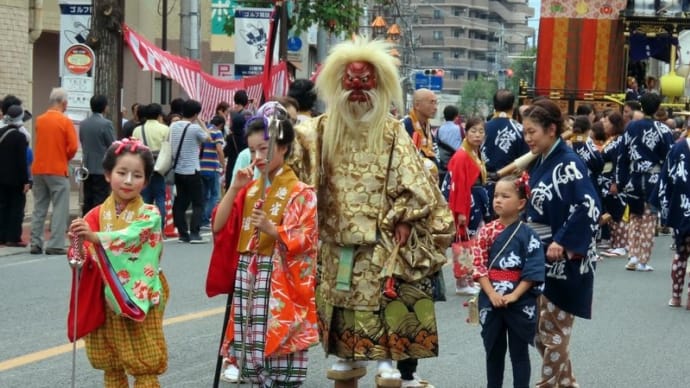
(336, 16)
(523, 68)
(476, 97)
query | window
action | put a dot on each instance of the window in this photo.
(438, 35)
(437, 14)
(437, 55)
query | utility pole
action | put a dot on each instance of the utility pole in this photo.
(189, 28)
(164, 46)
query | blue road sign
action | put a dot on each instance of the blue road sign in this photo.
(432, 82)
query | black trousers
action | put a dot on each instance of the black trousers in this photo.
(189, 190)
(96, 190)
(12, 202)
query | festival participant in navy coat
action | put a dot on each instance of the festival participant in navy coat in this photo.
(564, 210)
(613, 202)
(673, 201)
(509, 265)
(645, 145)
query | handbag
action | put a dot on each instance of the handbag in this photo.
(473, 303)
(463, 260)
(169, 174)
(164, 159)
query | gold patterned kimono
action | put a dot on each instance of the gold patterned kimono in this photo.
(359, 205)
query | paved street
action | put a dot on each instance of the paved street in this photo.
(634, 340)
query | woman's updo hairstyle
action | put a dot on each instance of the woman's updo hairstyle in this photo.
(545, 112)
(261, 120)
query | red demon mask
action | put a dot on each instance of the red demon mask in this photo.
(358, 77)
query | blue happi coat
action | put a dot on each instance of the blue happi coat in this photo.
(646, 143)
(673, 195)
(503, 143)
(523, 253)
(612, 204)
(564, 199)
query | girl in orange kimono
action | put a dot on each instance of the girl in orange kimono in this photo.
(468, 199)
(273, 315)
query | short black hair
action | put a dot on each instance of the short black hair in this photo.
(241, 98)
(303, 91)
(633, 104)
(98, 103)
(191, 108)
(8, 101)
(584, 109)
(176, 106)
(581, 124)
(218, 121)
(650, 103)
(153, 111)
(450, 112)
(504, 100)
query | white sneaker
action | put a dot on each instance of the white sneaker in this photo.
(643, 267)
(231, 374)
(467, 290)
(632, 263)
(614, 252)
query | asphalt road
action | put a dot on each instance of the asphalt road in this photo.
(634, 340)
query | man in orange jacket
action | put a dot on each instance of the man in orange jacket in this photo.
(55, 145)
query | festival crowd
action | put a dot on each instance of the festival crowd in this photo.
(333, 227)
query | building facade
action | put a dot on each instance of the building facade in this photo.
(469, 38)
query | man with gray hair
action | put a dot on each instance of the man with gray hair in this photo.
(55, 145)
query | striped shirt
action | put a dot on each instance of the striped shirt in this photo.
(209, 154)
(188, 163)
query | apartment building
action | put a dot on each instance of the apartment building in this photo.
(468, 38)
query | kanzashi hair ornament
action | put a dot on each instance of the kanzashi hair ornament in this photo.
(132, 143)
(523, 181)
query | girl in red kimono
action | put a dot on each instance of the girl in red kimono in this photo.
(275, 280)
(468, 199)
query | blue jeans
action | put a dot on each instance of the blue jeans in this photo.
(154, 192)
(211, 193)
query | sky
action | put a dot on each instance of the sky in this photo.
(536, 4)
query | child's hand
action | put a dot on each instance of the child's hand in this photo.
(510, 298)
(243, 176)
(81, 228)
(258, 219)
(496, 299)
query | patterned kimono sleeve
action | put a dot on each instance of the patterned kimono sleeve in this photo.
(142, 233)
(660, 196)
(298, 231)
(480, 252)
(409, 184)
(623, 162)
(583, 214)
(596, 162)
(533, 261)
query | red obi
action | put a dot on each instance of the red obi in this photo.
(499, 275)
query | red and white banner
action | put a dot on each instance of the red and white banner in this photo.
(201, 86)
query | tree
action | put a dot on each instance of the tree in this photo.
(336, 16)
(523, 69)
(105, 38)
(476, 97)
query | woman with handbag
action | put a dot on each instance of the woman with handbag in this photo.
(468, 199)
(509, 266)
(564, 210)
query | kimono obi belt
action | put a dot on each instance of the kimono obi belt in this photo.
(504, 275)
(642, 169)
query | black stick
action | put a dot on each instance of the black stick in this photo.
(219, 362)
